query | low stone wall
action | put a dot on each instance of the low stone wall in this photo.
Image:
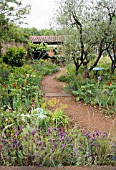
(5, 45)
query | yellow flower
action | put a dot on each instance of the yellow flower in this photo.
(43, 105)
(52, 102)
(67, 71)
(12, 134)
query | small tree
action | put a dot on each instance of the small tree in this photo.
(87, 27)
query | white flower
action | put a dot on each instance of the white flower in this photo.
(40, 113)
(33, 75)
(27, 75)
(42, 116)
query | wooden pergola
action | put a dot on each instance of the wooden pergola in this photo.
(50, 40)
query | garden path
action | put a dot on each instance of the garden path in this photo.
(81, 115)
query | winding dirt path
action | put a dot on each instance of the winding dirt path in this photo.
(83, 116)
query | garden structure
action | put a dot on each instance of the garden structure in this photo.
(50, 40)
(53, 42)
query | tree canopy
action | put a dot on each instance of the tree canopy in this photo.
(11, 12)
(88, 28)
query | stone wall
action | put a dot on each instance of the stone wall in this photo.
(5, 45)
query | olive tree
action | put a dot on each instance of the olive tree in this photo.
(88, 26)
(103, 23)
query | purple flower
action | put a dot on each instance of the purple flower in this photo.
(36, 155)
(61, 138)
(63, 145)
(69, 138)
(99, 78)
(8, 135)
(61, 134)
(93, 138)
(33, 140)
(108, 92)
(51, 151)
(97, 132)
(34, 131)
(56, 129)
(53, 139)
(55, 146)
(49, 131)
(88, 134)
(51, 158)
(25, 137)
(38, 143)
(16, 131)
(75, 151)
(105, 134)
(44, 146)
(95, 144)
(20, 127)
(114, 145)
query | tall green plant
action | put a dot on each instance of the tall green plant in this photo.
(15, 56)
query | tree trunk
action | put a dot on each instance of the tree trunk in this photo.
(85, 70)
(113, 59)
(99, 55)
(76, 63)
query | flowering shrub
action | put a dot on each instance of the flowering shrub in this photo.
(54, 146)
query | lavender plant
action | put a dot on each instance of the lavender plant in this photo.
(55, 146)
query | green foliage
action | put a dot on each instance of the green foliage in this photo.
(21, 86)
(4, 71)
(53, 146)
(59, 118)
(88, 29)
(38, 51)
(12, 11)
(101, 91)
(38, 47)
(44, 32)
(49, 68)
(15, 56)
(32, 135)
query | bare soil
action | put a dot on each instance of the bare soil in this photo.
(81, 115)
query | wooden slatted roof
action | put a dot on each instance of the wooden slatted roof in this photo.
(46, 39)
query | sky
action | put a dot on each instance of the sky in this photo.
(41, 13)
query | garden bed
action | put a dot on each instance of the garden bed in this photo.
(40, 136)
